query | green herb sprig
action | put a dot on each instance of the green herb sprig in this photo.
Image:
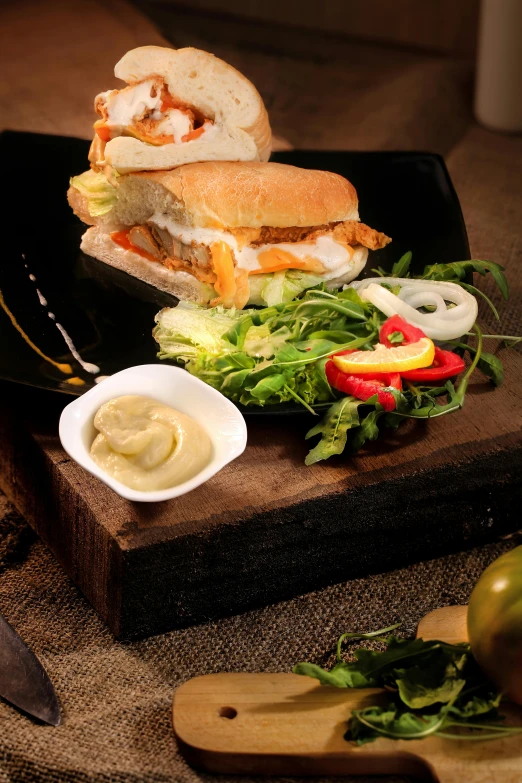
(431, 687)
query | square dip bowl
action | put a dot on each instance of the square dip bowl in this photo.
(171, 386)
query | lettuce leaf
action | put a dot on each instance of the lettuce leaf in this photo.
(188, 331)
(280, 287)
(100, 194)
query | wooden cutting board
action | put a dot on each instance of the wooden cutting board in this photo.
(285, 724)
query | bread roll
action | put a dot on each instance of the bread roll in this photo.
(178, 283)
(230, 195)
(240, 130)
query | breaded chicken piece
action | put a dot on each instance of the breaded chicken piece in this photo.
(351, 232)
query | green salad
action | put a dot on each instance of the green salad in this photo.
(431, 688)
(283, 353)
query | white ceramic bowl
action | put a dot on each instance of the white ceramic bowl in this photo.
(172, 386)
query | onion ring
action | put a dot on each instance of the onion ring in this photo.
(444, 323)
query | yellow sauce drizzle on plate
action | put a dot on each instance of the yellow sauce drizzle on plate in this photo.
(65, 368)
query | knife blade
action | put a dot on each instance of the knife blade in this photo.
(23, 680)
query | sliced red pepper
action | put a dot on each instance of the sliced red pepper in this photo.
(411, 334)
(446, 364)
(364, 387)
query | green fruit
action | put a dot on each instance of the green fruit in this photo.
(495, 623)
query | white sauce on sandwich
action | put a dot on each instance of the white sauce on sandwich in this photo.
(123, 106)
(126, 106)
(175, 123)
(336, 259)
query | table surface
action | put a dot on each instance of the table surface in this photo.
(321, 93)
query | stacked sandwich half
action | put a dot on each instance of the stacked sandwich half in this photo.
(180, 193)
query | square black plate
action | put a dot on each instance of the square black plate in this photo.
(109, 315)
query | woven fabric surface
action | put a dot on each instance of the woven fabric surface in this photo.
(116, 697)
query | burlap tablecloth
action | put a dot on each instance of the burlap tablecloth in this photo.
(116, 697)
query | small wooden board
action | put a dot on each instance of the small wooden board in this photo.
(285, 724)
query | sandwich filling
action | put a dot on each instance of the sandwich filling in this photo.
(230, 259)
(147, 111)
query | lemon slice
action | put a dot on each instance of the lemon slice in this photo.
(382, 359)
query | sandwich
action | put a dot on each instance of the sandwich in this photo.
(180, 106)
(228, 233)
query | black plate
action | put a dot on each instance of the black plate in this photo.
(108, 314)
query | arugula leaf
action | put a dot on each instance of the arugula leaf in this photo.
(278, 342)
(492, 367)
(237, 333)
(351, 295)
(368, 429)
(325, 307)
(402, 266)
(366, 725)
(479, 704)
(268, 386)
(396, 338)
(439, 681)
(489, 364)
(383, 664)
(320, 381)
(458, 270)
(234, 382)
(478, 292)
(333, 428)
(343, 675)
(234, 361)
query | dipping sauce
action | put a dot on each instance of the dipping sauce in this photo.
(147, 445)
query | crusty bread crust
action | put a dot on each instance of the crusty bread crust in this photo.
(241, 127)
(178, 283)
(234, 195)
(79, 205)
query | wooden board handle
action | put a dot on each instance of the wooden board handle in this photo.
(449, 624)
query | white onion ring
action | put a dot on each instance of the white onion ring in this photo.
(442, 324)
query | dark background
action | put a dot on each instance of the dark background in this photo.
(443, 26)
